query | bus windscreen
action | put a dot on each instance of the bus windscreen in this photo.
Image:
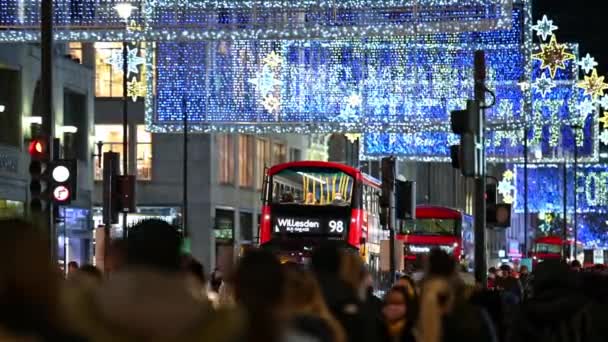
(312, 186)
(548, 248)
(430, 226)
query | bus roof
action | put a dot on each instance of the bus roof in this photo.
(349, 170)
(431, 211)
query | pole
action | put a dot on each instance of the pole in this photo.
(526, 189)
(575, 200)
(565, 222)
(125, 125)
(480, 182)
(48, 123)
(185, 170)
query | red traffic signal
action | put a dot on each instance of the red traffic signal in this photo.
(37, 149)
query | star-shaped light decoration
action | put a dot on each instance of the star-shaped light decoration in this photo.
(265, 81)
(508, 175)
(544, 84)
(553, 56)
(271, 104)
(508, 199)
(586, 107)
(353, 137)
(505, 187)
(135, 89)
(544, 28)
(593, 85)
(604, 137)
(273, 59)
(354, 100)
(587, 63)
(134, 26)
(133, 61)
(604, 102)
(604, 120)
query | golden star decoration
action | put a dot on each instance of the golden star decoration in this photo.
(352, 137)
(508, 199)
(593, 85)
(604, 120)
(273, 60)
(135, 89)
(553, 56)
(508, 175)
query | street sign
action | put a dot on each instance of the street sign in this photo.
(61, 193)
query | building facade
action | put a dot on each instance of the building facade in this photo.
(20, 111)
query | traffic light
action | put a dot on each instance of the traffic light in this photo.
(406, 200)
(491, 196)
(388, 188)
(64, 180)
(39, 174)
(467, 155)
(498, 215)
(111, 199)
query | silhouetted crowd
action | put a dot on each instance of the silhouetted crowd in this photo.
(150, 291)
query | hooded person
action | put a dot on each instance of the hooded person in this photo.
(150, 298)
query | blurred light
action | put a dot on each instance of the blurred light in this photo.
(124, 10)
(2, 108)
(32, 120)
(69, 129)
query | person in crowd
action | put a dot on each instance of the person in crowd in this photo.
(400, 312)
(308, 311)
(524, 280)
(408, 283)
(72, 268)
(342, 299)
(492, 277)
(559, 311)
(149, 298)
(510, 285)
(30, 306)
(446, 314)
(216, 280)
(92, 272)
(575, 265)
(195, 275)
(259, 289)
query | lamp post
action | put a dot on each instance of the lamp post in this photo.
(124, 10)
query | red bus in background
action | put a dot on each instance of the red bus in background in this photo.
(438, 227)
(551, 247)
(306, 202)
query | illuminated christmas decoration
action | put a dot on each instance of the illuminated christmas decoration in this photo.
(354, 100)
(207, 20)
(133, 60)
(587, 63)
(508, 175)
(505, 187)
(544, 84)
(352, 137)
(273, 60)
(604, 120)
(544, 28)
(271, 103)
(505, 109)
(553, 56)
(135, 89)
(585, 107)
(604, 137)
(593, 85)
(604, 102)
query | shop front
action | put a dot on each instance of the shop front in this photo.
(74, 236)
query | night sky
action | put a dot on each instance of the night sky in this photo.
(580, 21)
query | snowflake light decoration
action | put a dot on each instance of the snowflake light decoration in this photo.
(553, 56)
(505, 187)
(604, 137)
(505, 109)
(271, 104)
(585, 107)
(354, 100)
(133, 61)
(593, 85)
(273, 60)
(604, 102)
(508, 175)
(544, 84)
(604, 120)
(135, 89)
(587, 63)
(544, 28)
(265, 81)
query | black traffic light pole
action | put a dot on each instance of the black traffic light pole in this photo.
(46, 87)
(480, 181)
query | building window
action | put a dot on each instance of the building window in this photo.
(279, 153)
(76, 51)
(263, 160)
(111, 137)
(108, 68)
(225, 146)
(295, 154)
(246, 226)
(246, 161)
(144, 153)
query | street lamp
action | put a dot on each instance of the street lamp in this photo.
(124, 10)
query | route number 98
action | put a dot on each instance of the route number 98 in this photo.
(336, 226)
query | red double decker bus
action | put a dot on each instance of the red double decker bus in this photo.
(438, 227)
(306, 202)
(551, 248)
